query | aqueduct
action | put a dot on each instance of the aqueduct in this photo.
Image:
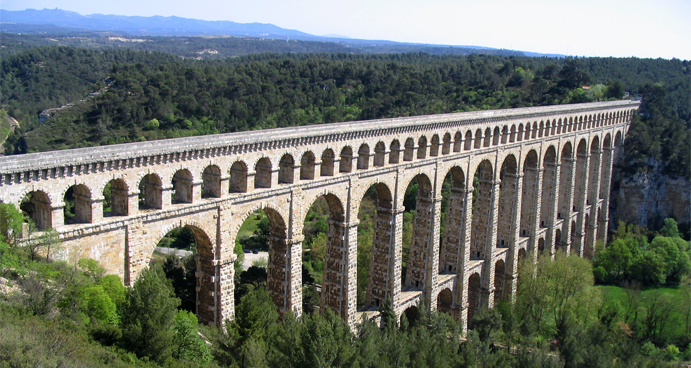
(524, 182)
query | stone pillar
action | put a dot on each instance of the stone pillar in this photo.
(380, 277)
(225, 290)
(396, 254)
(197, 191)
(512, 264)
(461, 294)
(487, 298)
(349, 305)
(207, 289)
(97, 210)
(57, 216)
(566, 198)
(605, 189)
(294, 275)
(453, 232)
(582, 187)
(419, 274)
(554, 207)
(339, 288)
(593, 196)
(225, 185)
(432, 258)
(535, 213)
(278, 272)
(166, 196)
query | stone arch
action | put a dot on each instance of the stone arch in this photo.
(458, 141)
(506, 212)
(504, 134)
(150, 192)
(488, 138)
(116, 201)
(496, 136)
(617, 139)
(534, 131)
(445, 301)
(541, 130)
(263, 172)
(527, 131)
(453, 226)
(565, 188)
(363, 157)
(521, 254)
(572, 237)
(541, 250)
(346, 163)
(379, 154)
(606, 176)
(408, 149)
(594, 168)
(36, 206)
(434, 146)
(446, 144)
(549, 183)
(499, 282)
(381, 261)
(286, 169)
(482, 210)
(422, 231)
(554, 127)
(557, 240)
(474, 290)
(211, 182)
(468, 141)
(520, 134)
(478, 139)
(512, 134)
(395, 152)
(238, 177)
(559, 126)
(581, 176)
(327, 164)
(307, 164)
(529, 194)
(412, 315)
(183, 184)
(422, 147)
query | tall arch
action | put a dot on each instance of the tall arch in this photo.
(565, 180)
(478, 139)
(150, 192)
(36, 206)
(395, 154)
(363, 157)
(468, 141)
(482, 210)
(336, 274)
(262, 176)
(446, 144)
(474, 290)
(183, 184)
(307, 164)
(496, 135)
(379, 154)
(416, 275)
(346, 163)
(508, 175)
(78, 202)
(422, 147)
(606, 176)
(512, 134)
(549, 182)
(457, 142)
(581, 176)
(238, 177)
(434, 146)
(381, 282)
(327, 164)
(529, 195)
(453, 226)
(488, 138)
(211, 182)
(409, 149)
(499, 282)
(594, 168)
(286, 169)
(116, 198)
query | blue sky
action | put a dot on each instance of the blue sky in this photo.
(642, 28)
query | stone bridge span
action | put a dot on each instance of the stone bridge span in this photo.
(523, 182)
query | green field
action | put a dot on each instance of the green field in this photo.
(250, 225)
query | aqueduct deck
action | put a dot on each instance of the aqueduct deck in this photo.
(525, 181)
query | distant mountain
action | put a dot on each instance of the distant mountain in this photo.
(61, 22)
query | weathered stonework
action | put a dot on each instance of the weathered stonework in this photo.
(525, 181)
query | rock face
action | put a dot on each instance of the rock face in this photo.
(649, 197)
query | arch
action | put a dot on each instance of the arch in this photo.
(446, 144)
(529, 194)
(286, 169)
(182, 187)
(422, 232)
(541, 250)
(453, 204)
(482, 210)
(422, 147)
(307, 164)
(116, 198)
(211, 182)
(457, 142)
(512, 134)
(559, 126)
(521, 134)
(346, 163)
(572, 238)
(594, 168)
(504, 134)
(434, 146)
(409, 149)
(557, 239)
(238, 177)
(581, 176)
(474, 289)
(327, 164)
(478, 139)
(363, 157)
(554, 127)
(395, 154)
(549, 183)
(150, 192)
(379, 154)
(606, 176)
(445, 301)
(412, 316)
(534, 131)
(499, 282)
(488, 138)
(541, 130)
(496, 135)
(506, 212)
(565, 189)
(468, 141)
(527, 131)
(36, 206)
(262, 176)
(377, 284)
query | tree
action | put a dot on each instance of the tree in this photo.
(187, 343)
(149, 314)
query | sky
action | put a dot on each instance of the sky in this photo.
(641, 28)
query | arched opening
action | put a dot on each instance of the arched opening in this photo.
(588, 249)
(482, 210)
(150, 193)
(474, 287)
(36, 206)
(452, 215)
(379, 154)
(262, 176)
(409, 149)
(541, 247)
(411, 316)
(422, 147)
(594, 168)
(488, 137)
(581, 177)
(307, 163)
(188, 261)
(376, 231)
(530, 190)
(419, 203)
(496, 136)
(77, 208)
(458, 141)
(238, 177)
(211, 182)
(182, 187)
(434, 146)
(572, 239)
(395, 154)
(512, 135)
(446, 145)
(507, 202)
(115, 198)
(549, 176)
(558, 244)
(286, 170)
(533, 134)
(346, 163)
(504, 134)
(478, 139)
(527, 132)
(541, 129)
(445, 301)
(327, 164)
(565, 172)
(520, 135)
(607, 166)
(468, 141)
(363, 157)
(499, 282)
(521, 254)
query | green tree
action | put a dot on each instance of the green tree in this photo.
(187, 343)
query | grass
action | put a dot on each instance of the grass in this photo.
(250, 225)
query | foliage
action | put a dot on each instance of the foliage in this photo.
(188, 345)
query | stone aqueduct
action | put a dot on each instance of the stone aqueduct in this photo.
(525, 181)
